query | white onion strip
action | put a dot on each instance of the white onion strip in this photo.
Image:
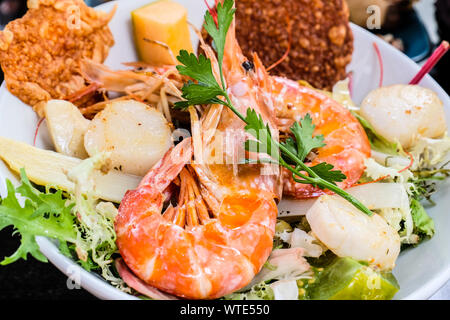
(374, 196)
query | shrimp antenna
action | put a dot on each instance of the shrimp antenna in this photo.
(286, 54)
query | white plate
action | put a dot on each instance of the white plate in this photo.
(420, 271)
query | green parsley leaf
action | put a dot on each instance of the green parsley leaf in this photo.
(261, 131)
(199, 69)
(42, 214)
(306, 142)
(197, 94)
(225, 14)
(325, 171)
(292, 147)
(207, 90)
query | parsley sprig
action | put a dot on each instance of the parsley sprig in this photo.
(289, 154)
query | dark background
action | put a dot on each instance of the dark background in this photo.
(32, 279)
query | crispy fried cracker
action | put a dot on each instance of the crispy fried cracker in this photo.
(315, 34)
(40, 53)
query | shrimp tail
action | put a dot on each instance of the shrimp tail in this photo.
(169, 167)
(151, 191)
(110, 80)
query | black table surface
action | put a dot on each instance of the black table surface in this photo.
(32, 279)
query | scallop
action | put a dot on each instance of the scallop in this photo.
(404, 113)
(136, 135)
(348, 232)
(67, 127)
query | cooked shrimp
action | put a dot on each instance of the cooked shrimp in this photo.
(218, 233)
(349, 233)
(157, 86)
(347, 144)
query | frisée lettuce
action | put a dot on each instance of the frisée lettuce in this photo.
(82, 224)
(41, 214)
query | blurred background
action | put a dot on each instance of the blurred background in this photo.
(415, 27)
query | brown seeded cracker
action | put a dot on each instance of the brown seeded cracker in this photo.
(321, 40)
(40, 53)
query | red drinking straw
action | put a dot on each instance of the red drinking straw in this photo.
(431, 62)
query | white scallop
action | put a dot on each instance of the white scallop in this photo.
(404, 113)
(136, 135)
(67, 127)
(348, 232)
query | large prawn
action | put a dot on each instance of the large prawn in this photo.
(347, 145)
(219, 233)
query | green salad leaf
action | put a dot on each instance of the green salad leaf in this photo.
(43, 214)
(378, 142)
(82, 223)
(423, 224)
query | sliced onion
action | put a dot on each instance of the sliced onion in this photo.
(285, 264)
(374, 196)
(381, 195)
(285, 290)
(391, 161)
(294, 208)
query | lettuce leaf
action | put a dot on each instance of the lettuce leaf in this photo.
(42, 214)
(423, 224)
(378, 142)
